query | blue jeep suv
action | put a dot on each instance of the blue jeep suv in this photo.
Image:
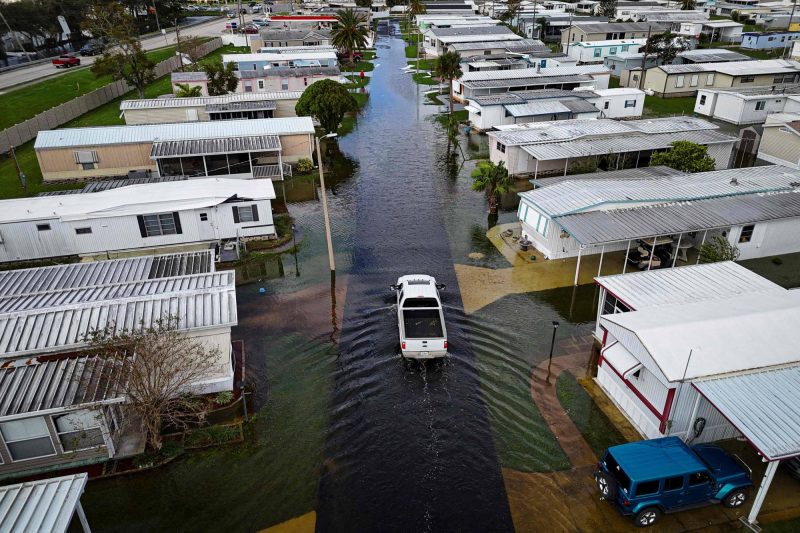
(648, 478)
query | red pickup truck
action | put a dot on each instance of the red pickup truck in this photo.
(66, 61)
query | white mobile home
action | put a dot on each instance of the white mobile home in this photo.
(596, 51)
(747, 105)
(482, 83)
(437, 40)
(138, 217)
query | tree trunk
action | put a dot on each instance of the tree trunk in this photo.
(450, 87)
(493, 203)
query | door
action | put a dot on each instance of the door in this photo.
(699, 489)
(674, 492)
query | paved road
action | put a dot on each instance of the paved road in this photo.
(39, 71)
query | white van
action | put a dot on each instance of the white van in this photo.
(419, 317)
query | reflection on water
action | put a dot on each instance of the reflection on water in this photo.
(262, 268)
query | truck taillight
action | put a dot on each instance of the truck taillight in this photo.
(626, 503)
(403, 345)
(445, 345)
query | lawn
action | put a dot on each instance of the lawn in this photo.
(411, 51)
(613, 82)
(21, 104)
(655, 106)
(423, 78)
(758, 54)
(596, 428)
(424, 64)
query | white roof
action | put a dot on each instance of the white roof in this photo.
(200, 101)
(571, 70)
(712, 281)
(135, 199)
(751, 331)
(611, 42)
(737, 68)
(722, 24)
(418, 286)
(143, 133)
(270, 56)
(43, 506)
(618, 91)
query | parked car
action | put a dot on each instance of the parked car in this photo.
(649, 478)
(260, 23)
(256, 9)
(66, 61)
(250, 28)
(230, 14)
(420, 318)
(92, 48)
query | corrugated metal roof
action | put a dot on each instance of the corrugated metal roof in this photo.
(674, 16)
(260, 57)
(519, 97)
(666, 286)
(640, 173)
(136, 199)
(43, 506)
(183, 77)
(572, 196)
(62, 383)
(478, 45)
(287, 72)
(201, 101)
(527, 82)
(98, 273)
(533, 73)
(598, 227)
(543, 107)
(104, 185)
(580, 106)
(472, 31)
(762, 405)
(143, 133)
(712, 55)
(228, 145)
(621, 144)
(263, 105)
(65, 328)
(614, 27)
(737, 68)
(759, 91)
(290, 49)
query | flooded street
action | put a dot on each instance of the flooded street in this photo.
(344, 427)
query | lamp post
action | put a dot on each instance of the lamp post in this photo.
(244, 399)
(294, 247)
(553, 341)
(325, 204)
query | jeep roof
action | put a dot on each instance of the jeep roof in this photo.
(656, 459)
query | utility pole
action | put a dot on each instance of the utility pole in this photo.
(16, 38)
(21, 174)
(789, 27)
(178, 44)
(644, 59)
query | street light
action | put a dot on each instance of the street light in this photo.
(325, 203)
(244, 399)
(553, 341)
(294, 246)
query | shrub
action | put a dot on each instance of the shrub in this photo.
(211, 435)
(223, 398)
(305, 165)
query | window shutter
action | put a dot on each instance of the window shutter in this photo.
(254, 208)
(177, 218)
(142, 229)
(236, 214)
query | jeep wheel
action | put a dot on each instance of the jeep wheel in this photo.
(647, 517)
(735, 499)
(607, 485)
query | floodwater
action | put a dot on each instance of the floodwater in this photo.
(344, 426)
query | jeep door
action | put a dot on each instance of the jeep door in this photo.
(674, 492)
(700, 488)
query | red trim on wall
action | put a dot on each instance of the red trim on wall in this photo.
(658, 414)
(667, 408)
(605, 335)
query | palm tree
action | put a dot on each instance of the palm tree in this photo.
(349, 32)
(543, 24)
(688, 5)
(493, 180)
(415, 7)
(448, 67)
(185, 90)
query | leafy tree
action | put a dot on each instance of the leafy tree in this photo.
(688, 5)
(415, 7)
(718, 249)
(493, 180)
(221, 78)
(185, 90)
(349, 32)
(328, 102)
(124, 58)
(364, 3)
(666, 46)
(448, 67)
(543, 25)
(685, 156)
(165, 366)
(512, 10)
(608, 8)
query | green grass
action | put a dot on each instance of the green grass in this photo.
(613, 82)
(655, 106)
(424, 64)
(596, 428)
(462, 115)
(424, 79)
(411, 51)
(758, 54)
(21, 104)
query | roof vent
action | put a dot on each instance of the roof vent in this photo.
(794, 184)
(734, 181)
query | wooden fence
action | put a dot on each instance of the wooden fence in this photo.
(56, 116)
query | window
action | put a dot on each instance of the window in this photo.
(87, 166)
(170, 166)
(597, 52)
(646, 487)
(161, 224)
(248, 87)
(42, 227)
(284, 84)
(248, 213)
(79, 430)
(501, 147)
(203, 217)
(487, 52)
(305, 82)
(217, 164)
(630, 103)
(612, 305)
(606, 104)
(679, 82)
(693, 80)
(747, 79)
(260, 85)
(673, 483)
(760, 105)
(747, 233)
(702, 99)
(612, 50)
(698, 478)
(710, 79)
(543, 63)
(625, 48)
(83, 231)
(622, 478)
(27, 439)
(86, 156)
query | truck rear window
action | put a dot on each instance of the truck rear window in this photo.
(422, 324)
(420, 302)
(622, 478)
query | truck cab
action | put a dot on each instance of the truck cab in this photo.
(649, 478)
(420, 318)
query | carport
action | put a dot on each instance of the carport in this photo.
(764, 405)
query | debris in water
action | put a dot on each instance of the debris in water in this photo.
(476, 255)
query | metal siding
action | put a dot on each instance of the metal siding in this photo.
(632, 407)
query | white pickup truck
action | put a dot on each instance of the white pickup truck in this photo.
(420, 317)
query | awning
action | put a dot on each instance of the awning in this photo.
(44, 505)
(263, 105)
(472, 109)
(621, 359)
(763, 405)
(227, 145)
